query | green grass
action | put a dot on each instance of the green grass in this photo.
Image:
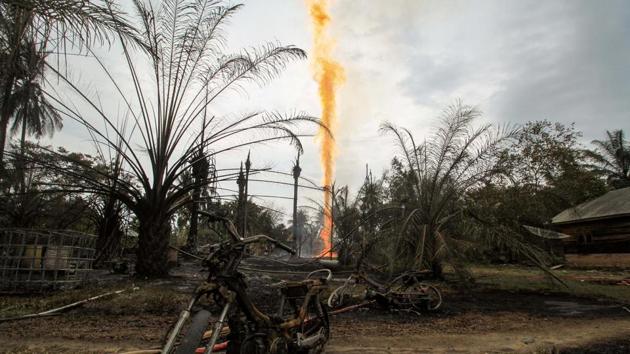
(582, 283)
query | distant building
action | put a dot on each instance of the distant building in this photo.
(600, 225)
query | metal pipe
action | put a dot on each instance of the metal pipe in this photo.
(217, 329)
(178, 327)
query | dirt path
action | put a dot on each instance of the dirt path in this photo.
(494, 322)
(552, 334)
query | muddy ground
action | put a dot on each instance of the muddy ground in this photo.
(478, 320)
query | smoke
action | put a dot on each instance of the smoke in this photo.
(329, 75)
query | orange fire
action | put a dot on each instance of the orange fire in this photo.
(329, 74)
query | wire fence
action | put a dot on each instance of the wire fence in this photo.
(38, 260)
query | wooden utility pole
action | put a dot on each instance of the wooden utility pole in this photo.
(248, 164)
(297, 238)
(240, 181)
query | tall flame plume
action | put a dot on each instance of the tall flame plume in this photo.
(329, 75)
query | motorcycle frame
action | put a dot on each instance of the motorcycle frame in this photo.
(228, 287)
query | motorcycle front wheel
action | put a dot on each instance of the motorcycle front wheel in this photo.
(193, 336)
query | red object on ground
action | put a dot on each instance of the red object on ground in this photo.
(217, 347)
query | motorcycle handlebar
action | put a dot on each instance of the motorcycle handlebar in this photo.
(229, 225)
(258, 238)
(323, 270)
(231, 229)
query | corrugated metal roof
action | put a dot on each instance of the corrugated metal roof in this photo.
(612, 204)
(545, 233)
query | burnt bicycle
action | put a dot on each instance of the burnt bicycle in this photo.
(406, 292)
(301, 324)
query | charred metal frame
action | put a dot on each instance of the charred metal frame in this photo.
(227, 288)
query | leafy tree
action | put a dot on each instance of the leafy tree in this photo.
(34, 199)
(541, 173)
(545, 161)
(367, 235)
(347, 218)
(611, 158)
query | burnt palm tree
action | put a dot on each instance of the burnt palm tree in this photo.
(201, 170)
(185, 72)
(611, 158)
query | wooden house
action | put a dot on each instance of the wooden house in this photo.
(600, 225)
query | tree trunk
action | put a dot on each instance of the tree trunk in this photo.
(191, 242)
(109, 234)
(5, 107)
(4, 127)
(153, 243)
(22, 167)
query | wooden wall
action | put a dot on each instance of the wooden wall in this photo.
(600, 236)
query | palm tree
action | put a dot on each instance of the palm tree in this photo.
(46, 26)
(33, 112)
(187, 71)
(611, 158)
(450, 162)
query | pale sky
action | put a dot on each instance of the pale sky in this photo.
(405, 60)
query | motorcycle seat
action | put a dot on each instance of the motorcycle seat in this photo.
(295, 288)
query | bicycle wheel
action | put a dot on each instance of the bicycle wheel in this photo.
(337, 298)
(419, 297)
(423, 297)
(434, 301)
(192, 337)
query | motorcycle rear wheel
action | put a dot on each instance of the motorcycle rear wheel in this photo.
(317, 316)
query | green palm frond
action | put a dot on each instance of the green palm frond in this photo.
(611, 157)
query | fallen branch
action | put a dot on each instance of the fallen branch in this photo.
(58, 310)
